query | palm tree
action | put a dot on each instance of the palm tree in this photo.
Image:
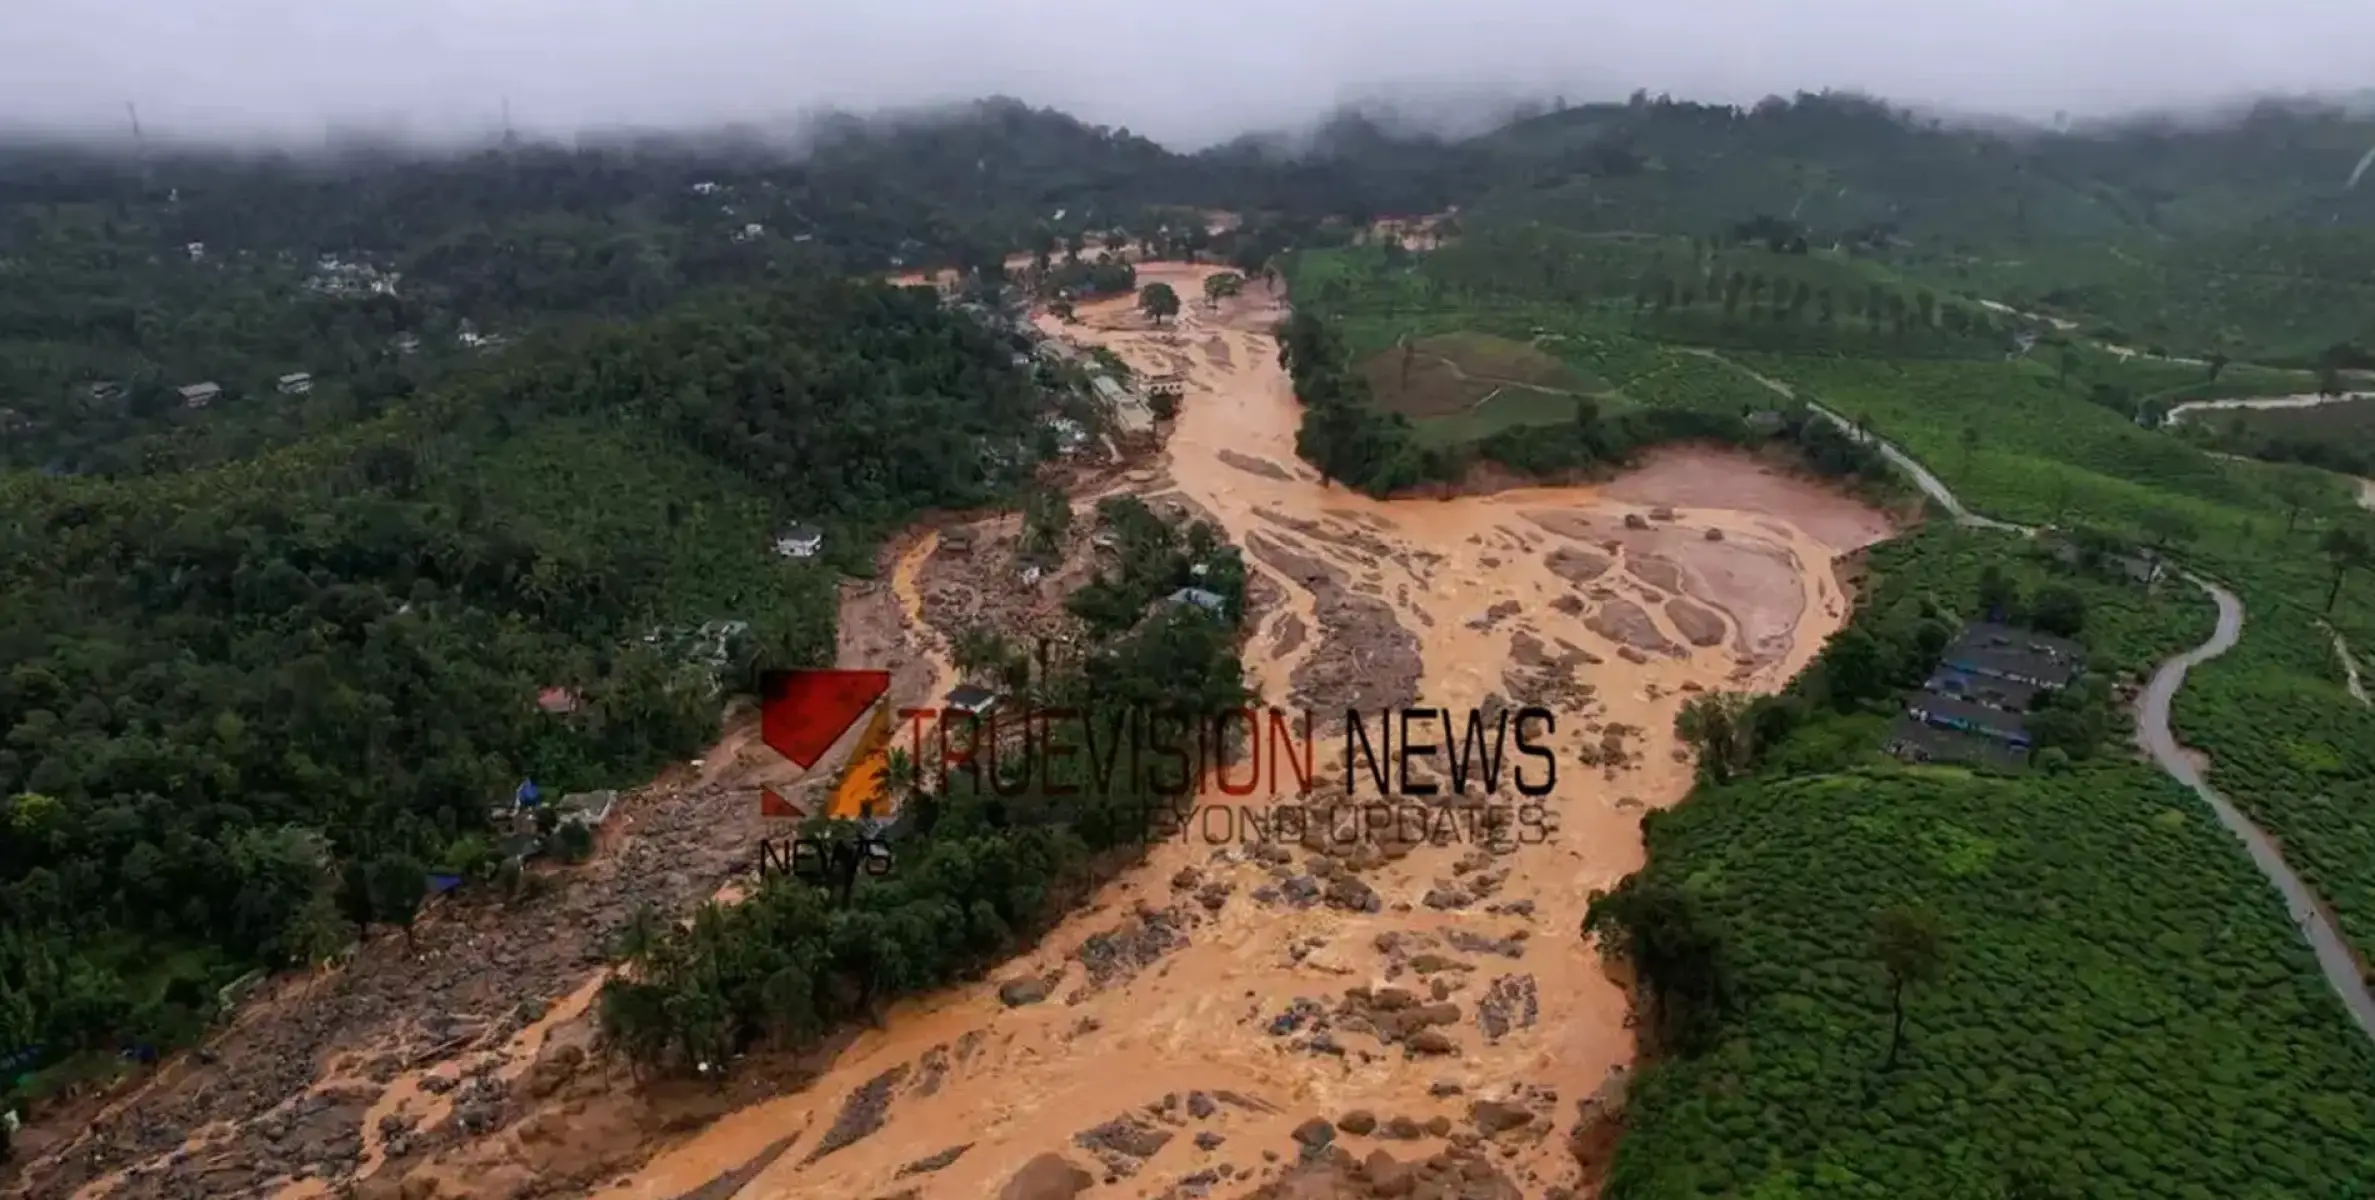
(1907, 944)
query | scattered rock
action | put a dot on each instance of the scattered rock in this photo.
(1715, 535)
(1050, 1176)
(1624, 622)
(1124, 1143)
(1347, 892)
(1315, 1133)
(1125, 1135)
(931, 1163)
(1695, 621)
(552, 1069)
(1386, 1175)
(1026, 989)
(1359, 1122)
(862, 1113)
(1636, 521)
(1510, 1003)
(1493, 1117)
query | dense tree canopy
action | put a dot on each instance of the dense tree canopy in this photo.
(220, 685)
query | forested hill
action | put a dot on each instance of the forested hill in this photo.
(2241, 235)
(376, 271)
(373, 270)
(239, 701)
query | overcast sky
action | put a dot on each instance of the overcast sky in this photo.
(1185, 73)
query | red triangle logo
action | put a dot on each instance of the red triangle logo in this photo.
(772, 804)
(802, 713)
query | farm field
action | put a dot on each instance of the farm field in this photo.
(2284, 739)
(1463, 366)
(1446, 375)
(2100, 938)
(2123, 1008)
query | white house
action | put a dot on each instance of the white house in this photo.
(296, 383)
(590, 809)
(199, 395)
(196, 251)
(800, 541)
(1208, 601)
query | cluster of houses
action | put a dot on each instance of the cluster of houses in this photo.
(203, 395)
(517, 829)
(333, 276)
(1974, 707)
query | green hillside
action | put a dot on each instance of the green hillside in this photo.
(228, 691)
(2118, 1005)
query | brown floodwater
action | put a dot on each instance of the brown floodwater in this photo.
(1487, 585)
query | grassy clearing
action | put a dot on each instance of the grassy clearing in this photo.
(2123, 1009)
(1505, 408)
(1450, 374)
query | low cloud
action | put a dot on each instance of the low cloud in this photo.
(1187, 74)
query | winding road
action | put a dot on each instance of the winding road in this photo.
(2304, 400)
(2153, 734)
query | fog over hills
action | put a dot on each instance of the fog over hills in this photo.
(1186, 75)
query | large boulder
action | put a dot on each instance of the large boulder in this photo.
(1050, 1176)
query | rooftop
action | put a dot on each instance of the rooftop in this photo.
(1990, 648)
(1208, 601)
(589, 808)
(1911, 739)
(2007, 694)
(1967, 713)
(966, 697)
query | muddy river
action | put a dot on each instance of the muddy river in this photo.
(1172, 1038)
(1538, 595)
